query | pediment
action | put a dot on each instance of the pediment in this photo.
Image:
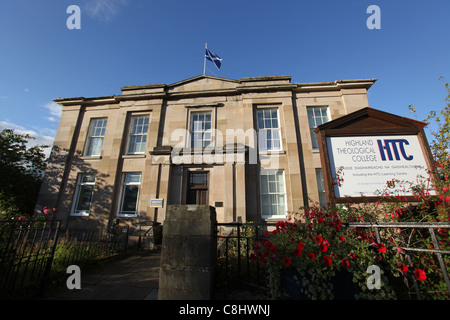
(202, 83)
(369, 121)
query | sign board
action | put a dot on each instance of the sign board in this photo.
(373, 152)
(368, 163)
(156, 203)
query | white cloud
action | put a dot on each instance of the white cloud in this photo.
(55, 111)
(52, 119)
(104, 10)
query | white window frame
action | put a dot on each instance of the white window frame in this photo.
(131, 146)
(193, 130)
(80, 185)
(124, 184)
(321, 187)
(93, 134)
(315, 121)
(265, 128)
(276, 194)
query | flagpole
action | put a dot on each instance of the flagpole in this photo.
(204, 59)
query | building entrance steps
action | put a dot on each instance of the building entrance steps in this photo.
(132, 278)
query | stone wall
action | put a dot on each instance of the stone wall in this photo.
(188, 253)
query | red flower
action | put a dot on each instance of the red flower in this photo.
(266, 234)
(311, 256)
(318, 239)
(327, 261)
(301, 245)
(273, 249)
(323, 247)
(268, 244)
(287, 261)
(22, 218)
(320, 221)
(420, 274)
(351, 255)
(341, 238)
(297, 252)
(345, 263)
(381, 248)
(403, 268)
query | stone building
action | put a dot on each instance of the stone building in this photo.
(246, 147)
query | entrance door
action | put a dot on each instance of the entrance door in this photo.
(198, 188)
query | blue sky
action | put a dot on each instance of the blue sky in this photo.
(134, 42)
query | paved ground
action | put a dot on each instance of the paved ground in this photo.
(132, 278)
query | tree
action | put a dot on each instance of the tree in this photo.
(440, 144)
(21, 171)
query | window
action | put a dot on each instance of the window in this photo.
(273, 198)
(321, 187)
(198, 188)
(316, 117)
(129, 194)
(138, 134)
(83, 195)
(269, 137)
(95, 138)
(200, 129)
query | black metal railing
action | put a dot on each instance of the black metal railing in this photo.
(26, 253)
(80, 246)
(429, 226)
(235, 245)
(33, 251)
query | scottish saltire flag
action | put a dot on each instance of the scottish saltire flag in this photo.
(213, 58)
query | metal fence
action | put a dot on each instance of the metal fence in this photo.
(26, 254)
(235, 244)
(81, 246)
(32, 251)
(429, 227)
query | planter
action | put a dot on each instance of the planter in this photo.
(343, 286)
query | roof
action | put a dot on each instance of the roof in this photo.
(209, 85)
(368, 121)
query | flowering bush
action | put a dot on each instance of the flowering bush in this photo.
(318, 245)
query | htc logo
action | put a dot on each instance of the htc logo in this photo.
(393, 148)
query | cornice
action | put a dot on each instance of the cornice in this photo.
(243, 86)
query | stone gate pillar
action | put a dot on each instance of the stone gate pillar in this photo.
(188, 253)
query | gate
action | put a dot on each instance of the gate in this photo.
(234, 248)
(26, 253)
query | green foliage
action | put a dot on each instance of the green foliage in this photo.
(21, 169)
(440, 143)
